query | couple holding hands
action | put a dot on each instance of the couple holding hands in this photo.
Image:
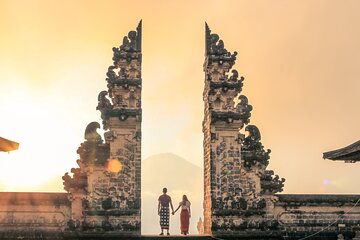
(164, 213)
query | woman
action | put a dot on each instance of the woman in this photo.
(185, 214)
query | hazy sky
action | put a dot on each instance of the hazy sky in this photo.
(300, 60)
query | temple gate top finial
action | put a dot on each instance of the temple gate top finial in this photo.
(130, 47)
(215, 49)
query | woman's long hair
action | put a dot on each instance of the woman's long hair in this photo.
(185, 199)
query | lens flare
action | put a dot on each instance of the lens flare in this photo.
(326, 181)
(114, 166)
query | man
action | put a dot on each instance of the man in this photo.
(163, 211)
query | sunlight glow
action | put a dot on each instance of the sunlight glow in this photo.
(114, 166)
(326, 181)
(29, 120)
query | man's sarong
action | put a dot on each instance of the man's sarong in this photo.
(164, 217)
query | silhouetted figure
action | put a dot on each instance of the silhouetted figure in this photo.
(200, 227)
(185, 215)
(163, 211)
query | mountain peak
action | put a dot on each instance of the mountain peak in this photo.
(164, 159)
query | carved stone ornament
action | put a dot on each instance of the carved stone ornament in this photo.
(93, 151)
(91, 133)
(130, 46)
(224, 87)
(252, 149)
(77, 182)
(244, 108)
(271, 184)
(124, 81)
(103, 103)
(215, 49)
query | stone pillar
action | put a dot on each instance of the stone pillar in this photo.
(76, 205)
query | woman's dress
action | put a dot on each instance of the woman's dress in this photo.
(184, 217)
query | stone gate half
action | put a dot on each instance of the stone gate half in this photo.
(105, 191)
(236, 182)
(240, 194)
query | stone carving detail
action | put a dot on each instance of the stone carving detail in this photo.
(234, 76)
(133, 70)
(303, 218)
(131, 42)
(129, 99)
(110, 224)
(29, 219)
(103, 103)
(233, 224)
(223, 107)
(223, 88)
(91, 134)
(215, 48)
(112, 76)
(244, 109)
(238, 189)
(271, 184)
(104, 106)
(252, 149)
(111, 190)
(216, 45)
(124, 81)
(105, 189)
(77, 182)
(92, 152)
(239, 205)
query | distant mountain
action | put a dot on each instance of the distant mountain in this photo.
(171, 171)
(180, 177)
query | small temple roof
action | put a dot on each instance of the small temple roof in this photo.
(350, 153)
(8, 145)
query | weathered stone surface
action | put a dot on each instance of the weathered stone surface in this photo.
(26, 215)
(105, 191)
(124, 81)
(240, 199)
(237, 186)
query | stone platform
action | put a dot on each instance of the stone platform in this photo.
(175, 237)
(145, 237)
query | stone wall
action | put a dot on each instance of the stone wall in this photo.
(33, 215)
(326, 215)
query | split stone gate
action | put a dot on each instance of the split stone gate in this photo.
(103, 198)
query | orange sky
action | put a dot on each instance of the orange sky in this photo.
(300, 60)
